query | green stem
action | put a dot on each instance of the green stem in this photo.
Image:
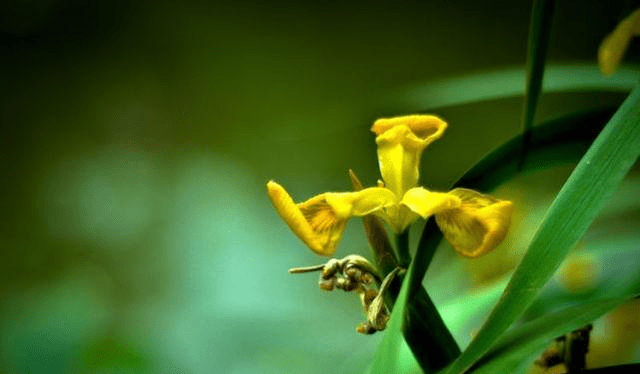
(424, 330)
(402, 244)
(429, 240)
(426, 334)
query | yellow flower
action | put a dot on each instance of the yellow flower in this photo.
(472, 222)
(615, 44)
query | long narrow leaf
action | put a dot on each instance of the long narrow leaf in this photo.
(563, 140)
(595, 178)
(424, 330)
(558, 141)
(531, 338)
(539, 33)
(386, 360)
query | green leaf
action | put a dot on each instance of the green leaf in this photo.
(387, 357)
(533, 337)
(539, 33)
(426, 333)
(617, 275)
(595, 178)
(555, 142)
(424, 330)
(505, 83)
(562, 140)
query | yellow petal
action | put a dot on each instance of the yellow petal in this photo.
(399, 217)
(376, 234)
(295, 219)
(615, 44)
(427, 203)
(425, 126)
(320, 221)
(360, 203)
(401, 141)
(478, 225)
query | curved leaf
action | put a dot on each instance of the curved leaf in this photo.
(555, 142)
(595, 178)
(539, 32)
(533, 337)
(510, 82)
(386, 360)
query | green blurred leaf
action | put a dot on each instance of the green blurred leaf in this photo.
(113, 353)
(539, 32)
(595, 178)
(500, 84)
(517, 345)
(562, 140)
(615, 271)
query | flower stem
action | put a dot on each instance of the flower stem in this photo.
(428, 337)
(424, 330)
(429, 240)
(402, 246)
(430, 340)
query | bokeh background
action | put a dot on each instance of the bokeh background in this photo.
(136, 235)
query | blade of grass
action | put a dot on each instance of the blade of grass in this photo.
(595, 178)
(533, 337)
(539, 32)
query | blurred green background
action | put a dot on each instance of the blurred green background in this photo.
(136, 140)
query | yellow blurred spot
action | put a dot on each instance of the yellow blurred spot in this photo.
(615, 44)
(580, 273)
